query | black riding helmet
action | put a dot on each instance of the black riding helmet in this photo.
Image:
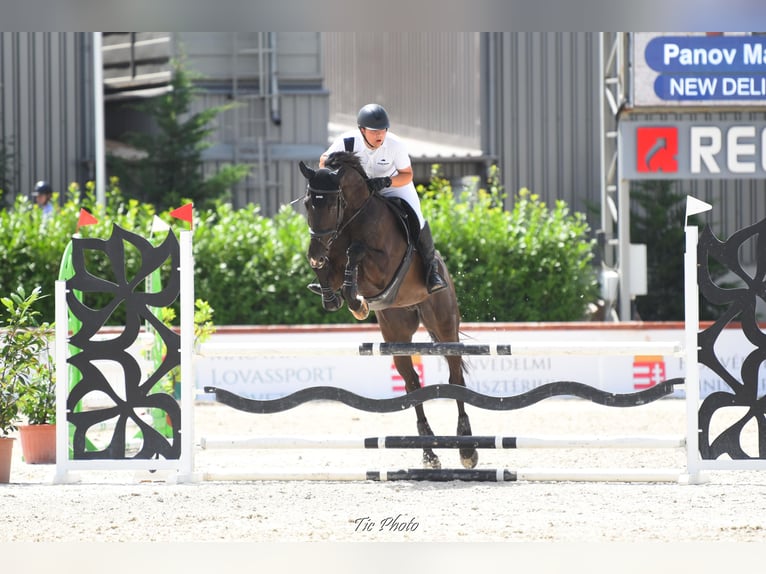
(372, 117)
(42, 187)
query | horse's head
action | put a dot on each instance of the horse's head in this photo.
(324, 211)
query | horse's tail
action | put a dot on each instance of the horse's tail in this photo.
(463, 363)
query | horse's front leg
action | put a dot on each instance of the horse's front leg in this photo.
(356, 303)
(330, 300)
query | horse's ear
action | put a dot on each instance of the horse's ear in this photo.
(307, 172)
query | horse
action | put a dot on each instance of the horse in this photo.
(360, 253)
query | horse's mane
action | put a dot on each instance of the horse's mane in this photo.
(345, 159)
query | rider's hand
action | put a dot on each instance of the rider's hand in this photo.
(375, 184)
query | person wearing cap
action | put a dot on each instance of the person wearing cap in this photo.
(42, 195)
(387, 163)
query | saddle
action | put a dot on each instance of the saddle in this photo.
(408, 220)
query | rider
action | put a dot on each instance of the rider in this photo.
(387, 163)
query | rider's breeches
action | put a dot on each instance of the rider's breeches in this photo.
(408, 194)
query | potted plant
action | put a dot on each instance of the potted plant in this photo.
(24, 361)
(37, 404)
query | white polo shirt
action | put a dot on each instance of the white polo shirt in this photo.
(385, 161)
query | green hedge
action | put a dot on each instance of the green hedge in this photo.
(529, 264)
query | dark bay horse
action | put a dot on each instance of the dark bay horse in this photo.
(357, 250)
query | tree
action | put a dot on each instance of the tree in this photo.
(659, 223)
(171, 170)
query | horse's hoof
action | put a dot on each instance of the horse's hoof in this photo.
(363, 311)
(332, 304)
(469, 461)
(430, 460)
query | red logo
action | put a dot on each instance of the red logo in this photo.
(648, 371)
(396, 378)
(656, 150)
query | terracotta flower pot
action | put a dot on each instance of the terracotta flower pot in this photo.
(6, 450)
(38, 443)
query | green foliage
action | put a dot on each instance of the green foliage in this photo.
(529, 264)
(253, 269)
(203, 330)
(31, 247)
(659, 223)
(25, 365)
(171, 169)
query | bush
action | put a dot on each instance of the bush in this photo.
(529, 264)
(253, 269)
(31, 247)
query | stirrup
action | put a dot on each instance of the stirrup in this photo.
(435, 282)
(314, 288)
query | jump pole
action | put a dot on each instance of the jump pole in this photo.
(417, 442)
(443, 475)
(532, 349)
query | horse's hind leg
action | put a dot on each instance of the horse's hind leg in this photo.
(441, 317)
(468, 456)
(398, 326)
(412, 383)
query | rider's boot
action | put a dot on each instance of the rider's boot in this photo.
(434, 281)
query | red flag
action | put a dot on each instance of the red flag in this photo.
(85, 219)
(185, 213)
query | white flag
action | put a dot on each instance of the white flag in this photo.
(159, 225)
(695, 206)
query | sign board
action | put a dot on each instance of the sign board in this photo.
(375, 377)
(691, 149)
(695, 69)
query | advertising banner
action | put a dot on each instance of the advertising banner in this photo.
(687, 149)
(696, 69)
(376, 377)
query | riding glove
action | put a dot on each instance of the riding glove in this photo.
(375, 184)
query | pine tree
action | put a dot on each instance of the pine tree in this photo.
(171, 171)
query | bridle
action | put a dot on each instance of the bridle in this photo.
(340, 204)
(328, 236)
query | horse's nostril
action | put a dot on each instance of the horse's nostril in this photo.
(318, 263)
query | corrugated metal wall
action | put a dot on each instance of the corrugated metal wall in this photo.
(430, 82)
(528, 100)
(541, 111)
(274, 178)
(537, 97)
(272, 126)
(46, 108)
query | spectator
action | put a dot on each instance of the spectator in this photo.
(42, 195)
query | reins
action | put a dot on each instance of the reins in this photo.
(341, 209)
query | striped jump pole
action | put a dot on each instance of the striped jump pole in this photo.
(418, 442)
(535, 349)
(457, 474)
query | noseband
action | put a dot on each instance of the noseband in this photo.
(340, 205)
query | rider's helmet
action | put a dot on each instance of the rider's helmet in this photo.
(42, 187)
(372, 117)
